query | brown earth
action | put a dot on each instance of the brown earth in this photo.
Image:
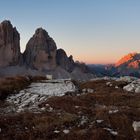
(80, 115)
(12, 85)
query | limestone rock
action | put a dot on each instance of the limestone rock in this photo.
(9, 45)
(129, 65)
(40, 51)
(130, 60)
(64, 61)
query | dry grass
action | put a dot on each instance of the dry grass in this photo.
(12, 85)
(78, 114)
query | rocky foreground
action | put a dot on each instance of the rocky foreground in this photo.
(100, 109)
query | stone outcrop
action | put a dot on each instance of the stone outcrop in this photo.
(9, 45)
(40, 51)
(64, 61)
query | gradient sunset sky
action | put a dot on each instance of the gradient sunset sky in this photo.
(93, 31)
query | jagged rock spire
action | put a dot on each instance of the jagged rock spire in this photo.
(40, 51)
(9, 44)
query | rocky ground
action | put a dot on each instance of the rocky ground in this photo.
(100, 109)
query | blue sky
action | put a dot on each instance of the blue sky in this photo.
(93, 31)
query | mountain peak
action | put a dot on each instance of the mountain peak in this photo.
(9, 44)
(128, 58)
(6, 22)
(41, 31)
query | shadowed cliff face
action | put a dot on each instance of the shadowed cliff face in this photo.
(9, 45)
(40, 51)
(64, 61)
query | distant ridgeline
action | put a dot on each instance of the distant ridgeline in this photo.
(40, 57)
(128, 65)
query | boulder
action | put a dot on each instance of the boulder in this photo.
(9, 45)
(137, 90)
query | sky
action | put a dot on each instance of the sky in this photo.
(93, 31)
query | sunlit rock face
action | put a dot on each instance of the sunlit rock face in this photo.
(129, 65)
(40, 51)
(130, 60)
(9, 45)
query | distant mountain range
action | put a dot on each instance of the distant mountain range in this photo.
(42, 57)
(129, 65)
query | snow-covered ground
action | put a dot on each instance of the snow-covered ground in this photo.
(37, 93)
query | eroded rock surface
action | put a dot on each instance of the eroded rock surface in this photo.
(40, 57)
(30, 98)
(9, 45)
(40, 51)
(64, 61)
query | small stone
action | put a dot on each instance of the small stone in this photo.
(113, 111)
(43, 108)
(99, 121)
(47, 105)
(50, 109)
(90, 90)
(108, 83)
(115, 133)
(129, 88)
(84, 90)
(66, 131)
(137, 90)
(56, 131)
(76, 106)
(136, 125)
